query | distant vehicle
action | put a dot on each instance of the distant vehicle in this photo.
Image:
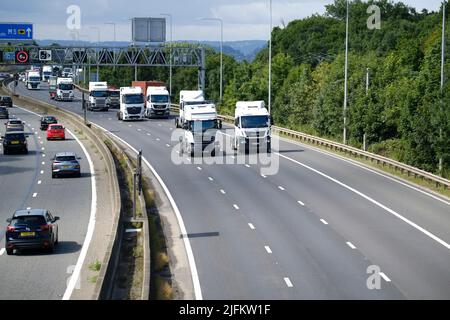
(65, 163)
(66, 71)
(52, 84)
(22, 77)
(64, 89)
(98, 94)
(188, 97)
(31, 229)
(33, 80)
(15, 125)
(200, 126)
(6, 101)
(14, 141)
(56, 131)
(157, 102)
(4, 114)
(251, 127)
(47, 71)
(46, 120)
(132, 106)
(113, 100)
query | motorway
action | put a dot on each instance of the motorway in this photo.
(25, 182)
(308, 232)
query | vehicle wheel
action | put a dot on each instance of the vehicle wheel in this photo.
(5, 151)
(176, 123)
(25, 151)
(57, 239)
(269, 148)
(78, 175)
(9, 252)
(192, 151)
(54, 175)
(51, 249)
(181, 148)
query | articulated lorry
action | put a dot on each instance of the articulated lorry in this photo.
(64, 89)
(188, 97)
(113, 100)
(200, 124)
(47, 71)
(52, 82)
(33, 79)
(98, 94)
(157, 98)
(132, 105)
(251, 127)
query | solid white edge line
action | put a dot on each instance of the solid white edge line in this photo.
(351, 245)
(414, 225)
(2, 251)
(91, 225)
(359, 165)
(385, 277)
(187, 244)
(90, 229)
(288, 282)
(268, 249)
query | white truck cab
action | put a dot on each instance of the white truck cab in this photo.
(64, 89)
(200, 126)
(98, 94)
(132, 105)
(47, 71)
(251, 127)
(157, 102)
(33, 80)
(188, 97)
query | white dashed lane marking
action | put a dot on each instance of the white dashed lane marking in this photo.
(288, 282)
(236, 206)
(385, 277)
(222, 191)
(351, 245)
(251, 226)
(323, 221)
(300, 203)
(35, 195)
(268, 249)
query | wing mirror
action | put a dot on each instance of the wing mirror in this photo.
(55, 219)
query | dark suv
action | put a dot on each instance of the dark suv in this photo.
(31, 229)
(6, 101)
(4, 114)
(46, 120)
(14, 141)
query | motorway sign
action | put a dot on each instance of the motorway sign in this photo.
(22, 56)
(9, 56)
(16, 31)
(45, 55)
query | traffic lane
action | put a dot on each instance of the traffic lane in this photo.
(431, 214)
(44, 275)
(346, 280)
(18, 174)
(216, 235)
(415, 263)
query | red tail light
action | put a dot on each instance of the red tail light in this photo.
(45, 227)
(10, 229)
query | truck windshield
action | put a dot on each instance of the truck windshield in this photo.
(99, 94)
(255, 121)
(113, 93)
(133, 98)
(202, 126)
(65, 86)
(159, 98)
(34, 79)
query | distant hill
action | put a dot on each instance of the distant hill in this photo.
(240, 50)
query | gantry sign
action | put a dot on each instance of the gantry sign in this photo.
(132, 56)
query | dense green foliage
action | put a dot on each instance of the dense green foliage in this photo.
(403, 114)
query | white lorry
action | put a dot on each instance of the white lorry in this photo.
(132, 105)
(157, 103)
(33, 80)
(251, 127)
(188, 97)
(47, 71)
(200, 126)
(98, 95)
(64, 89)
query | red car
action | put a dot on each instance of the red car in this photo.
(56, 131)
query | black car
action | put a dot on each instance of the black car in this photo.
(14, 141)
(46, 120)
(4, 114)
(31, 229)
(6, 101)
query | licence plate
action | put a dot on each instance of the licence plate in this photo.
(66, 167)
(27, 234)
(14, 142)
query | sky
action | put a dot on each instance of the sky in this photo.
(243, 19)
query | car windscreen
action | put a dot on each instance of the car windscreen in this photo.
(65, 158)
(114, 93)
(99, 94)
(159, 98)
(15, 122)
(133, 98)
(65, 86)
(15, 136)
(56, 127)
(3, 109)
(49, 119)
(7, 99)
(254, 121)
(30, 221)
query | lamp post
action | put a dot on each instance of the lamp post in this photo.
(442, 79)
(221, 52)
(270, 58)
(170, 52)
(346, 78)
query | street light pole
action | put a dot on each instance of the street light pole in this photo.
(170, 52)
(221, 52)
(346, 78)
(442, 79)
(367, 81)
(270, 58)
